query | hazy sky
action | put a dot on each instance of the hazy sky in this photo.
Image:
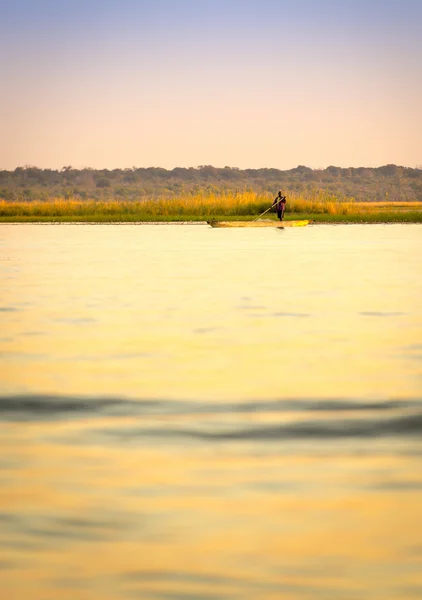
(246, 83)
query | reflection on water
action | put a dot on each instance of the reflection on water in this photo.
(200, 413)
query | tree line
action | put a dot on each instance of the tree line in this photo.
(386, 183)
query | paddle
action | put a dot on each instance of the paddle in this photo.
(265, 211)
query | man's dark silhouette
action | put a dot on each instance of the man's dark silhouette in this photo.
(280, 205)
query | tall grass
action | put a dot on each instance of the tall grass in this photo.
(200, 206)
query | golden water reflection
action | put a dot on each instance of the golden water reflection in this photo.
(195, 312)
(111, 522)
(194, 413)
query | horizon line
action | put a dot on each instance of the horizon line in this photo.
(198, 167)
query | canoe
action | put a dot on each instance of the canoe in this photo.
(264, 223)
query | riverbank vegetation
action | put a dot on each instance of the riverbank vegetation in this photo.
(386, 183)
(318, 207)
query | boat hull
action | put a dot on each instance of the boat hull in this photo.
(267, 223)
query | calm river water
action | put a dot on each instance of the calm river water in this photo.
(198, 413)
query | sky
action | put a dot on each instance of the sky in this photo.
(183, 83)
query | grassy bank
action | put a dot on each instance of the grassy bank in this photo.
(390, 217)
(247, 205)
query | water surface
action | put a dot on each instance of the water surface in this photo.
(203, 413)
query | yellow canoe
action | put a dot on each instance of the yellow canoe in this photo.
(266, 223)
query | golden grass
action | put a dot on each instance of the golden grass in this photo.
(200, 205)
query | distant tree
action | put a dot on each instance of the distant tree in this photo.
(129, 177)
(103, 182)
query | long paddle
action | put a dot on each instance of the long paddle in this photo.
(265, 211)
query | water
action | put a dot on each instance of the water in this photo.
(198, 413)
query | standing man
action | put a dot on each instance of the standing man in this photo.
(280, 205)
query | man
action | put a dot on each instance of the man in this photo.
(280, 205)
